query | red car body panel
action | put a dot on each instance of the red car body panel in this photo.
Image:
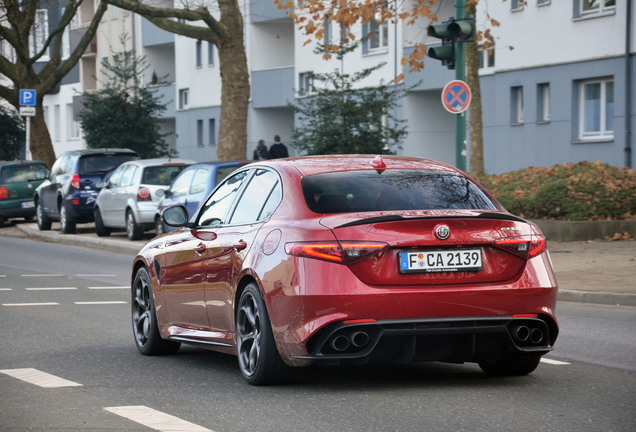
(202, 270)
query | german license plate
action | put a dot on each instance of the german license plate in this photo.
(440, 261)
(27, 204)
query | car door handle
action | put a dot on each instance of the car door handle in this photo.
(200, 249)
(240, 245)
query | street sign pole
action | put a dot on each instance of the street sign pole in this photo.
(27, 150)
(460, 74)
(28, 102)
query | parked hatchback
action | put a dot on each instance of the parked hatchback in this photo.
(69, 194)
(18, 180)
(193, 186)
(130, 197)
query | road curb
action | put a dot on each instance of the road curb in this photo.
(614, 299)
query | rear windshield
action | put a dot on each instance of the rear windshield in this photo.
(360, 191)
(91, 164)
(161, 175)
(23, 173)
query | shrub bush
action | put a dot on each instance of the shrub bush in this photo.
(582, 191)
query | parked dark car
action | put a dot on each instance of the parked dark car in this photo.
(18, 180)
(69, 194)
(192, 187)
(348, 260)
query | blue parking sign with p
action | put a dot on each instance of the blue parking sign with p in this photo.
(27, 97)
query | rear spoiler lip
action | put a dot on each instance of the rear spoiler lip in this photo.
(395, 218)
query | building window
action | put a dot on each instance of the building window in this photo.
(305, 82)
(210, 54)
(183, 98)
(543, 103)
(198, 54)
(486, 57)
(200, 133)
(543, 2)
(376, 33)
(72, 130)
(516, 105)
(57, 123)
(212, 132)
(517, 5)
(39, 32)
(327, 36)
(597, 6)
(596, 109)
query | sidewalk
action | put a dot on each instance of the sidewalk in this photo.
(601, 272)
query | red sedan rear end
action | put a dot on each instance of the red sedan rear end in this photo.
(350, 259)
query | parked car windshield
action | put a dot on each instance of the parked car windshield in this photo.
(23, 173)
(100, 163)
(161, 175)
(358, 191)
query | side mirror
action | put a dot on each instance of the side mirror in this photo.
(175, 216)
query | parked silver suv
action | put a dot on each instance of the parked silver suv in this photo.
(129, 198)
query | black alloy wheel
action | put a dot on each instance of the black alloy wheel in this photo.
(258, 357)
(144, 318)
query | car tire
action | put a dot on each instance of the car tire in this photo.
(511, 366)
(44, 222)
(258, 357)
(1, 222)
(144, 319)
(159, 228)
(67, 226)
(133, 231)
(100, 229)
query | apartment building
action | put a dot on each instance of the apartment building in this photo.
(556, 87)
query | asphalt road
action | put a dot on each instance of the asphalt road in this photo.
(64, 311)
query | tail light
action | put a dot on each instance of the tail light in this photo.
(4, 193)
(343, 252)
(143, 194)
(526, 246)
(75, 181)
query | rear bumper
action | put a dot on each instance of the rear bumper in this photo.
(83, 211)
(14, 208)
(464, 339)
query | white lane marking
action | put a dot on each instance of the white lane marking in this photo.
(31, 304)
(3, 275)
(108, 287)
(5, 289)
(100, 302)
(39, 378)
(553, 362)
(42, 275)
(95, 275)
(155, 419)
(51, 289)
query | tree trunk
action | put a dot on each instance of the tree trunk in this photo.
(40, 140)
(476, 133)
(235, 89)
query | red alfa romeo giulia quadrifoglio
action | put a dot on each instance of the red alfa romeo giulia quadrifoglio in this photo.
(348, 259)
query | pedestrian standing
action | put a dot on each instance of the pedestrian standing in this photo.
(278, 149)
(260, 152)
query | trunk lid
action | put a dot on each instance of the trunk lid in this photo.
(469, 231)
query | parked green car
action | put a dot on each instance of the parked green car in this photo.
(18, 181)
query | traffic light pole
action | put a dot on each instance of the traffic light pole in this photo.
(460, 74)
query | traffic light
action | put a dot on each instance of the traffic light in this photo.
(450, 32)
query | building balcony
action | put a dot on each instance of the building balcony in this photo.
(166, 94)
(152, 36)
(272, 88)
(76, 36)
(265, 10)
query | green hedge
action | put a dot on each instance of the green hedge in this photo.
(582, 191)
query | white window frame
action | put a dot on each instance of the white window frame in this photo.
(212, 131)
(200, 133)
(183, 97)
(382, 35)
(210, 54)
(304, 82)
(517, 5)
(543, 103)
(516, 105)
(72, 127)
(603, 132)
(484, 57)
(601, 9)
(198, 54)
(39, 33)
